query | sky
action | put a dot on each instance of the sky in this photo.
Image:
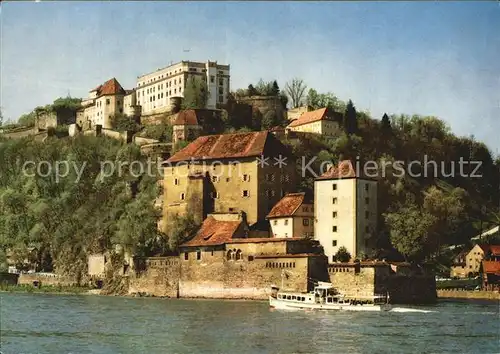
(428, 58)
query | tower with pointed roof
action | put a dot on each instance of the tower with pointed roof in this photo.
(103, 103)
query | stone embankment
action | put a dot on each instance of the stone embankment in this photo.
(466, 294)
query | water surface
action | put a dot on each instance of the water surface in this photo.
(42, 323)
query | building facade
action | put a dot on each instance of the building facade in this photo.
(103, 103)
(155, 89)
(321, 121)
(468, 264)
(346, 211)
(292, 216)
(225, 174)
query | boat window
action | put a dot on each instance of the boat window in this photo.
(288, 297)
(303, 299)
(328, 299)
(294, 298)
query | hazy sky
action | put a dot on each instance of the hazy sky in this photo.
(429, 58)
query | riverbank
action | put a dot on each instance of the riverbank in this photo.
(46, 289)
(466, 294)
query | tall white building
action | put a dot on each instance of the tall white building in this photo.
(154, 90)
(345, 211)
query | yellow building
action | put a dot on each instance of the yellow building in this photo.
(321, 121)
(155, 89)
(292, 216)
(295, 113)
(228, 173)
(103, 103)
(468, 264)
(345, 211)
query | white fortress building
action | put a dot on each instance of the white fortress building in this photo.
(345, 211)
(154, 90)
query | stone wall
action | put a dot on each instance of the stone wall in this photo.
(264, 104)
(213, 276)
(46, 279)
(357, 279)
(8, 278)
(157, 276)
(464, 294)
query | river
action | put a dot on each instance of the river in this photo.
(43, 323)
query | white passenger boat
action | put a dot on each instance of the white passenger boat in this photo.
(324, 297)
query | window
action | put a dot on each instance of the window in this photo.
(334, 200)
(231, 210)
(215, 195)
(286, 222)
(305, 209)
(275, 222)
(367, 229)
(186, 256)
(367, 214)
(334, 243)
(215, 179)
(334, 229)
(367, 187)
(198, 255)
(335, 186)
(212, 79)
(221, 82)
(334, 214)
(221, 98)
(367, 200)
(246, 178)
(305, 222)
(246, 193)
(183, 196)
(107, 101)
(118, 102)
(121, 110)
(176, 181)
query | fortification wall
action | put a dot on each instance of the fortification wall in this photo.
(46, 279)
(160, 277)
(213, 276)
(359, 280)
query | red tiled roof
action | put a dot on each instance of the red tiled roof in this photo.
(345, 169)
(110, 87)
(314, 116)
(491, 267)
(226, 146)
(214, 232)
(268, 239)
(187, 117)
(287, 205)
(495, 249)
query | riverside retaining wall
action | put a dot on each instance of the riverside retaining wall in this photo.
(466, 294)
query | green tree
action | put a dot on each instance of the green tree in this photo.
(180, 230)
(251, 91)
(1, 117)
(350, 119)
(324, 100)
(275, 89)
(195, 94)
(411, 230)
(121, 122)
(386, 124)
(342, 254)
